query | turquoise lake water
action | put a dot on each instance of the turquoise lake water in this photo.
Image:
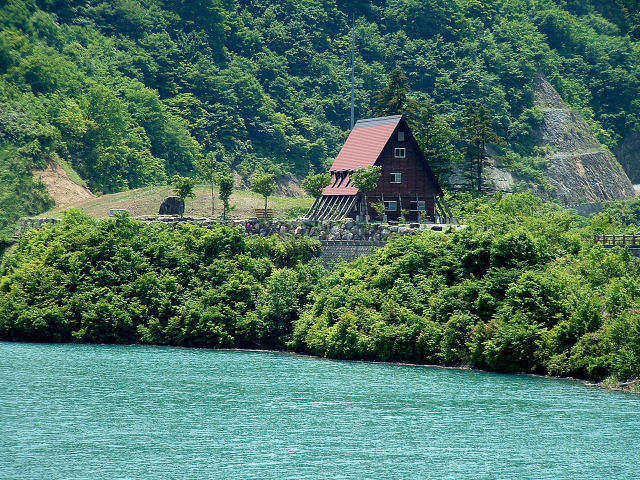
(111, 412)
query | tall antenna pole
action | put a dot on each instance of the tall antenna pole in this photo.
(352, 67)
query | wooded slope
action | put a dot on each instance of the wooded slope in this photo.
(130, 92)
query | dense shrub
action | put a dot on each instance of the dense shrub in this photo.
(122, 282)
(514, 292)
(504, 294)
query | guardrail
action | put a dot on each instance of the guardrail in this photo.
(617, 240)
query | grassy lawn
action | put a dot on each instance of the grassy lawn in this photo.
(146, 201)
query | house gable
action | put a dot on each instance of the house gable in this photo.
(415, 174)
(407, 181)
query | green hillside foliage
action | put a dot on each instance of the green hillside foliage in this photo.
(519, 290)
(123, 282)
(131, 92)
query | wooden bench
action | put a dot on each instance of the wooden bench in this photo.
(262, 214)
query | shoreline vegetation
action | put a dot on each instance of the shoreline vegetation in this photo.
(521, 290)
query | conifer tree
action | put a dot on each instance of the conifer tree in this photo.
(477, 132)
(394, 98)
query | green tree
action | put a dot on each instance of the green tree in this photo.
(315, 183)
(378, 207)
(435, 135)
(365, 180)
(209, 169)
(394, 98)
(226, 183)
(183, 187)
(263, 184)
(477, 133)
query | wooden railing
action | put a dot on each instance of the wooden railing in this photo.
(617, 240)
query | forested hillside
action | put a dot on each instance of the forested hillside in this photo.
(130, 92)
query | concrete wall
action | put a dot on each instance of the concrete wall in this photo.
(337, 250)
(586, 209)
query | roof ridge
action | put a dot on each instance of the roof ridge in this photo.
(366, 142)
(377, 119)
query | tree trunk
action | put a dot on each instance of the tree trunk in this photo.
(265, 209)
(366, 209)
(479, 168)
(213, 206)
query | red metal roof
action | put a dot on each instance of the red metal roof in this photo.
(362, 148)
(365, 143)
(339, 191)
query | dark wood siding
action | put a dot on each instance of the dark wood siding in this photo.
(416, 182)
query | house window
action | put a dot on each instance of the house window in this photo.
(399, 153)
(401, 136)
(391, 206)
(396, 178)
(419, 205)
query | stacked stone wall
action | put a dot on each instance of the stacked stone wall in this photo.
(347, 229)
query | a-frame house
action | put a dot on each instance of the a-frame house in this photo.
(406, 183)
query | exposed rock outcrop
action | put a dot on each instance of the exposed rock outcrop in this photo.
(494, 178)
(578, 166)
(628, 154)
(172, 206)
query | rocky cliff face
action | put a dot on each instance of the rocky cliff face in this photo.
(628, 154)
(579, 167)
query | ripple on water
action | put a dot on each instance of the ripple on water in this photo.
(105, 412)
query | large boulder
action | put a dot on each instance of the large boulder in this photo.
(172, 206)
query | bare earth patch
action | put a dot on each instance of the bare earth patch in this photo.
(62, 189)
(147, 200)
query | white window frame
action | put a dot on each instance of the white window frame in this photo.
(401, 136)
(396, 177)
(420, 206)
(388, 204)
(400, 152)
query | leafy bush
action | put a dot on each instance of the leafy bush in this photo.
(513, 292)
(504, 294)
(119, 281)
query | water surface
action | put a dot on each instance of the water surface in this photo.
(111, 412)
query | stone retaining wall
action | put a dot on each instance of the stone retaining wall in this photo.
(345, 230)
(329, 231)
